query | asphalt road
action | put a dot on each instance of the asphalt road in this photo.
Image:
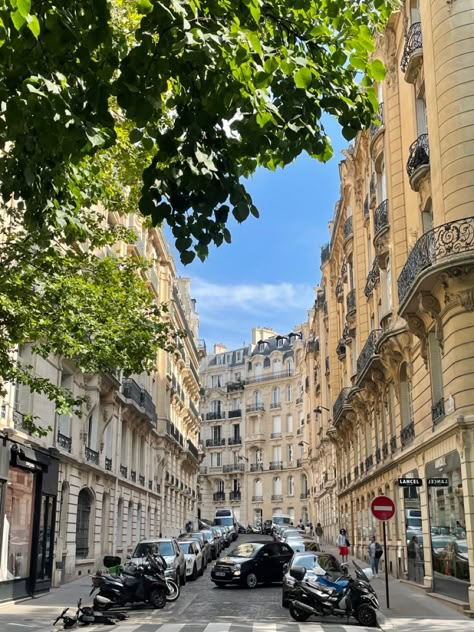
(201, 607)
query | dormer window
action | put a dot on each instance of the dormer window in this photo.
(280, 342)
(261, 346)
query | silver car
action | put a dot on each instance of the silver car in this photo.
(172, 554)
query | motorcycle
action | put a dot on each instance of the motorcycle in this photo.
(357, 599)
(136, 584)
(86, 616)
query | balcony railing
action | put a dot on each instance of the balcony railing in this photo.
(150, 484)
(141, 397)
(340, 290)
(108, 464)
(215, 415)
(218, 496)
(340, 402)
(378, 455)
(300, 430)
(276, 465)
(303, 495)
(235, 413)
(381, 217)
(385, 450)
(254, 408)
(215, 443)
(234, 467)
(418, 154)
(257, 499)
(413, 43)
(299, 462)
(348, 227)
(275, 405)
(369, 461)
(277, 497)
(193, 409)
(373, 185)
(235, 441)
(256, 467)
(351, 301)
(368, 351)
(235, 495)
(124, 471)
(266, 377)
(91, 455)
(341, 349)
(313, 346)
(65, 442)
(437, 411)
(133, 476)
(141, 480)
(203, 470)
(407, 434)
(373, 279)
(375, 127)
(325, 252)
(235, 386)
(193, 450)
(275, 435)
(299, 400)
(447, 240)
(356, 472)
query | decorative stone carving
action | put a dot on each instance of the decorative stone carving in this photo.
(417, 327)
(466, 298)
(358, 191)
(391, 61)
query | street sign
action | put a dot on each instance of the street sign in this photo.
(382, 508)
(410, 482)
(438, 482)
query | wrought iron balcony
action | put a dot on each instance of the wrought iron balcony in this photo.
(158, 488)
(361, 468)
(373, 279)
(215, 415)
(418, 155)
(141, 480)
(380, 217)
(378, 124)
(65, 442)
(351, 301)
(356, 472)
(266, 377)
(255, 408)
(437, 411)
(299, 400)
(218, 497)
(407, 434)
(275, 435)
(235, 495)
(325, 252)
(108, 464)
(203, 470)
(235, 441)
(413, 43)
(304, 495)
(300, 430)
(257, 499)
(91, 455)
(256, 467)
(368, 352)
(235, 413)
(385, 450)
(347, 231)
(373, 185)
(275, 405)
(217, 442)
(277, 497)
(299, 462)
(378, 456)
(131, 390)
(133, 476)
(193, 450)
(369, 461)
(340, 403)
(276, 465)
(124, 471)
(233, 467)
(150, 484)
(313, 346)
(435, 246)
(235, 386)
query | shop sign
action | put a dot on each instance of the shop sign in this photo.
(438, 482)
(410, 482)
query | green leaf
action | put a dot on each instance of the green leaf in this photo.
(18, 19)
(187, 257)
(144, 7)
(24, 7)
(241, 212)
(302, 78)
(377, 70)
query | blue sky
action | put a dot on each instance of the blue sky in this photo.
(265, 277)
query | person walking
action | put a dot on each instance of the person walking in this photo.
(319, 536)
(375, 553)
(343, 544)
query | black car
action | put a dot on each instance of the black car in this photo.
(251, 563)
(308, 560)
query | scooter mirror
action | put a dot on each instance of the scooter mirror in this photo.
(129, 557)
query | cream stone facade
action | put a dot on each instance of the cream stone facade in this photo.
(253, 422)
(128, 467)
(390, 341)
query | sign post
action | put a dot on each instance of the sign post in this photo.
(383, 509)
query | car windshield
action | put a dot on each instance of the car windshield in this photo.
(184, 546)
(307, 561)
(208, 534)
(246, 550)
(224, 521)
(143, 549)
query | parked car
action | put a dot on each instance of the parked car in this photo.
(204, 544)
(212, 544)
(291, 533)
(194, 558)
(251, 563)
(169, 549)
(220, 537)
(310, 561)
(296, 543)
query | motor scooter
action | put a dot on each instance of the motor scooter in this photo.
(87, 616)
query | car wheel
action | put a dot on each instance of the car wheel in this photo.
(183, 578)
(195, 573)
(251, 580)
(367, 616)
(177, 580)
(201, 572)
(299, 615)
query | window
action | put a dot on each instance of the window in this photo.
(220, 359)
(289, 423)
(276, 396)
(238, 356)
(277, 454)
(291, 486)
(280, 342)
(290, 452)
(276, 367)
(216, 433)
(237, 376)
(277, 424)
(83, 523)
(277, 486)
(216, 405)
(216, 381)
(289, 366)
(64, 421)
(288, 393)
(258, 487)
(236, 431)
(436, 369)
(228, 358)
(216, 459)
(258, 398)
(258, 369)
(261, 346)
(406, 403)
(220, 486)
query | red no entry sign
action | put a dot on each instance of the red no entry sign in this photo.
(382, 508)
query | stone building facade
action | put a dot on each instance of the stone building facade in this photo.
(128, 468)
(392, 331)
(252, 424)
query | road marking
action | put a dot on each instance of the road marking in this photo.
(22, 625)
(171, 627)
(217, 627)
(264, 627)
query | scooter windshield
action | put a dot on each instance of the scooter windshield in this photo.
(360, 573)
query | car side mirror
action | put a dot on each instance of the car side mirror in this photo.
(298, 572)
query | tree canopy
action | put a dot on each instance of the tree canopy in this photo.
(161, 105)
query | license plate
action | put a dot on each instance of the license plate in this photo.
(220, 574)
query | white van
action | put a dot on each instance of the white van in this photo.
(225, 518)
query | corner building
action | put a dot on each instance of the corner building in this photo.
(394, 313)
(252, 428)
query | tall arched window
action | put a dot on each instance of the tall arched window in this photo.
(276, 365)
(105, 522)
(304, 484)
(276, 396)
(119, 531)
(83, 523)
(258, 369)
(130, 523)
(258, 398)
(139, 522)
(277, 486)
(406, 403)
(258, 487)
(291, 486)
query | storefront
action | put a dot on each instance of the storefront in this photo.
(28, 490)
(412, 488)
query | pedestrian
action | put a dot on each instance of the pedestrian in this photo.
(319, 536)
(375, 553)
(343, 544)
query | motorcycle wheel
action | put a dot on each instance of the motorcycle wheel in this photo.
(158, 598)
(367, 616)
(174, 591)
(298, 615)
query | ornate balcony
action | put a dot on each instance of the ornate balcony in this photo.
(340, 403)
(378, 124)
(366, 207)
(150, 484)
(369, 461)
(437, 246)
(393, 444)
(378, 456)
(351, 301)
(418, 163)
(235, 496)
(275, 435)
(203, 470)
(373, 188)
(108, 464)
(373, 279)
(233, 467)
(235, 413)
(276, 465)
(356, 472)
(275, 405)
(299, 400)
(217, 442)
(193, 450)
(234, 441)
(412, 52)
(340, 290)
(277, 497)
(141, 399)
(347, 231)
(437, 411)
(133, 476)
(235, 386)
(257, 499)
(124, 471)
(218, 497)
(407, 434)
(256, 467)
(368, 354)
(380, 218)
(91, 455)
(65, 442)
(385, 450)
(267, 377)
(213, 416)
(325, 252)
(141, 480)
(313, 346)
(255, 408)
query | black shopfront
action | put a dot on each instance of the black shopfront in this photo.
(28, 491)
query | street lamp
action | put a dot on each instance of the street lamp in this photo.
(319, 409)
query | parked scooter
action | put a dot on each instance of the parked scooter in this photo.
(357, 599)
(136, 584)
(87, 616)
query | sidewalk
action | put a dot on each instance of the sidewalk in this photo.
(410, 608)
